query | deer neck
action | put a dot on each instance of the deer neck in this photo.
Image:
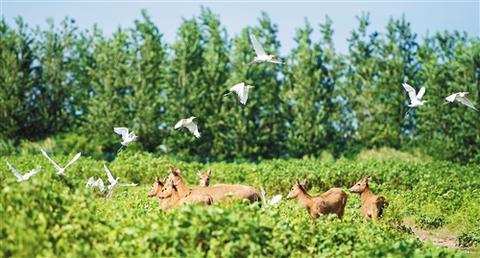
(182, 189)
(304, 199)
(366, 194)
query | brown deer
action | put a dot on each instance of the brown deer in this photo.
(170, 193)
(156, 190)
(219, 192)
(372, 205)
(331, 201)
(204, 178)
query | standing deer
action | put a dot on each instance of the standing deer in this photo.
(372, 205)
(204, 178)
(219, 192)
(331, 201)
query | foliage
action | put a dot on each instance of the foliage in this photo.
(62, 80)
(57, 216)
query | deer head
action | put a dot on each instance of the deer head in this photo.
(297, 188)
(361, 185)
(156, 187)
(204, 178)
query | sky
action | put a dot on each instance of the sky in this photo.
(426, 16)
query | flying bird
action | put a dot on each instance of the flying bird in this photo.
(189, 124)
(273, 201)
(127, 137)
(60, 170)
(19, 176)
(96, 183)
(460, 97)
(114, 182)
(415, 99)
(261, 56)
(241, 90)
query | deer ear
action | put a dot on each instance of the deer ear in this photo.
(209, 171)
(368, 178)
(297, 182)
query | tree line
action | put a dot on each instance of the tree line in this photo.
(63, 81)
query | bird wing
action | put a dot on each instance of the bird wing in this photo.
(180, 124)
(123, 131)
(451, 98)
(421, 92)
(99, 183)
(275, 61)
(31, 173)
(264, 197)
(55, 165)
(411, 92)
(466, 102)
(73, 160)
(256, 45)
(14, 171)
(275, 200)
(90, 182)
(127, 184)
(193, 128)
(237, 87)
(109, 174)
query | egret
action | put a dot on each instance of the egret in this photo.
(60, 170)
(127, 137)
(19, 176)
(114, 182)
(273, 201)
(189, 124)
(241, 90)
(261, 56)
(415, 99)
(96, 183)
(460, 97)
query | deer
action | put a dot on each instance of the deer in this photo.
(219, 192)
(169, 197)
(170, 192)
(372, 205)
(331, 201)
(204, 178)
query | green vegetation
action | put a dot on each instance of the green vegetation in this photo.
(57, 216)
(64, 83)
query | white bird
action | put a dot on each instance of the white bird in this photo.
(261, 56)
(96, 183)
(460, 97)
(60, 170)
(114, 182)
(415, 99)
(189, 124)
(20, 177)
(273, 201)
(241, 90)
(127, 137)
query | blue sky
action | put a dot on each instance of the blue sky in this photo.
(425, 16)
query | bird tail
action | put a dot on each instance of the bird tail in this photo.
(120, 149)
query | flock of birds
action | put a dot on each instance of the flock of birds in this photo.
(241, 90)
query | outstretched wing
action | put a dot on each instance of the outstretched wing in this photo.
(411, 92)
(421, 92)
(275, 61)
(264, 195)
(14, 171)
(466, 102)
(109, 174)
(127, 184)
(193, 128)
(99, 183)
(73, 160)
(31, 173)
(90, 182)
(451, 98)
(123, 131)
(179, 124)
(57, 167)
(256, 45)
(275, 200)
